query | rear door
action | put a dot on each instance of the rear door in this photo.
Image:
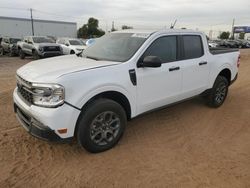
(195, 66)
(160, 86)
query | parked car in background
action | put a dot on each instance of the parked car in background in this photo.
(243, 43)
(83, 41)
(38, 47)
(122, 75)
(212, 44)
(9, 46)
(52, 38)
(231, 44)
(1, 49)
(71, 45)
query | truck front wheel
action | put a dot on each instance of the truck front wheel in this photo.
(35, 55)
(21, 54)
(101, 125)
(219, 92)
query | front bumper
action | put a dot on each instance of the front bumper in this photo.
(34, 127)
(43, 122)
(50, 54)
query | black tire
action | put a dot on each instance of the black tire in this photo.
(218, 93)
(1, 51)
(93, 125)
(72, 52)
(21, 54)
(35, 55)
(11, 53)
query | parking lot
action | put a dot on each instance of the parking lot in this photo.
(186, 145)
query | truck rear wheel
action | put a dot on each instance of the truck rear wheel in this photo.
(101, 125)
(218, 93)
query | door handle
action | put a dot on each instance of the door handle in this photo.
(202, 63)
(174, 68)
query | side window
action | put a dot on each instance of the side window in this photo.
(193, 47)
(164, 47)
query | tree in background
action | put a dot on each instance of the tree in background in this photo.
(126, 27)
(241, 35)
(90, 30)
(224, 35)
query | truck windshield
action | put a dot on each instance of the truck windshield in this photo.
(42, 40)
(115, 47)
(75, 42)
(14, 41)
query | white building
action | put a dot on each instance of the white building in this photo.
(19, 27)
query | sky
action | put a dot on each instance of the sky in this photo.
(205, 15)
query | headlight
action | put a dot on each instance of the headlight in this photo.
(48, 95)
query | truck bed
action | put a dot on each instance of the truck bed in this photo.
(216, 51)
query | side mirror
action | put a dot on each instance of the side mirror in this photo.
(150, 61)
(29, 42)
(66, 44)
(26, 41)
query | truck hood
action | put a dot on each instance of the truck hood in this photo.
(78, 47)
(48, 70)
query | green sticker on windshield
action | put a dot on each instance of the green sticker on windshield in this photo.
(140, 35)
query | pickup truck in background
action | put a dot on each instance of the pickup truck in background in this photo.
(38, 47)
(122, 75)
(9, 46)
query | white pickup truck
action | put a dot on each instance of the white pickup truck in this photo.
(121, 76)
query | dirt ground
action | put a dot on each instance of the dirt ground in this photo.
(186, 145)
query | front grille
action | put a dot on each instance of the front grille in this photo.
(51, 48)
(25, 94)
(23, 88)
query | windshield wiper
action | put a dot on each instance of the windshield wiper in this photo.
(94, 58)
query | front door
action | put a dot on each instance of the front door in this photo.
(159, 86)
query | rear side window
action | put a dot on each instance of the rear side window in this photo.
(164, 47)
(192, 46)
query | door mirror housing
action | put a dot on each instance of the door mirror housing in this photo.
(29, 42)
(150, 61)
(66, 44)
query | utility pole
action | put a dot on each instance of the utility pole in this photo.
(32, 24)
(233, 29)
(113, 26)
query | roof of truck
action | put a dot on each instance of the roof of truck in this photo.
(158, 31)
